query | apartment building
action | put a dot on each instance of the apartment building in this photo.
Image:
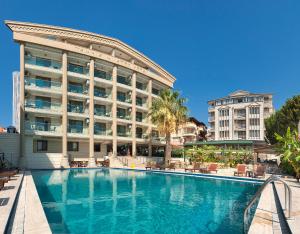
(83, 96)
(239, 116)
(191, 131)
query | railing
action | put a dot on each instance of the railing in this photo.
(77, 89)
(287, 193)
(141, 86)
(142, 104)
(102, 75)
(124, 80)
(102, 113)
(124, 134)
(78, 69)
(127, 117)
(75, 108)
(101, 94)
(40, 104)
(123, 160)
(42, 62)
(73, 128)
(42, 83)
(42, 126)
(102, 132)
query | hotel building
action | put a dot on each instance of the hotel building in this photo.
(83, 96)
(239, 116)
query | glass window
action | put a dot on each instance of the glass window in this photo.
(139, 132)
(140, 85)
(100, 128)
(75, 68)
(75, 126)
(121, 113)
(97, 147)
(73, 146)
(100, 74)
(121, 96)
(42, 102)
(139, 116)
(99, 92)
(43, 62)
(75, 107)
(155, 91)
(100, 110)
(41, 145)
(139, 101)
(123, 80)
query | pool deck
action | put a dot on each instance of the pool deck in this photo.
(25, 214)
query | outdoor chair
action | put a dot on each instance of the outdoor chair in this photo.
(241, 170)
(8, 173)
(212, 167)
(259, 171)
(196, 167)
(149, 165)
(171, 166)
(2, 182)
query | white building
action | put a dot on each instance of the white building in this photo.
(239, 116)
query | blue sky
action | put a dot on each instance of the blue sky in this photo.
(212, 47)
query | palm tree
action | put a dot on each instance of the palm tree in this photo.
(168, 112)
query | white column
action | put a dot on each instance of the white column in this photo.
(91, 116)
(114, 110)
(65, 159)
(133, 114)
(22, 106)
(149, 119)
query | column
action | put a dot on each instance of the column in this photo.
(22, 107)
(91, 116)
(114, 110)
(149, 118)
(65, 159)
(133, 114)
(217, 124)
(247, 122)
(261, 123)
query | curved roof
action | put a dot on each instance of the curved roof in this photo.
(93, 38)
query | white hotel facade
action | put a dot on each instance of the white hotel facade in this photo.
(83, 96)
(239, 116)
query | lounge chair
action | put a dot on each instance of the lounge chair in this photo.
(8, 173)
(149, 165)
(212, 167)
(171, 166)
(259, 171)
(159, 166)
(2, 182)
(196, 167)
(240, 170)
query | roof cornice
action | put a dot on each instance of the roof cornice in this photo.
(25, 27)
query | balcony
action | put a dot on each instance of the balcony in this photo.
(211, 119)
(125, 100)
(102, 132)
(78, 69)
(77, 128)
(141, 103)
(43, 105)
(101, 112)
(102, 75)
(124, 80)
(101, 93)
(155, 91)
(42, 127)
(79, 89)
(41, 83)
(123, 134)
(141, 86)
(73, 108)
(240, 116)
(240, 127)
(122, 116)
(43, 62)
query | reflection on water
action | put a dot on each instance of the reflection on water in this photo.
(121, 201)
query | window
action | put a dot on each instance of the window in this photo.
(121, 130)
(224, 112)
(43, 82)
(99, 92)
(121, 96)
(100, 128)
(75, 68)
(75, 107)
(140, 85)
(155, 91)
(75, 126)
(73, 146)
(42, 102)
(121, 113)
(139, 101)
(100, 74)
(41, 145)
(139, 116)
(97, 147)
(139, 133)
(43, 62)
(100, 110)
(254, 133)
(123, 80)
(254, 110)
(254, 122)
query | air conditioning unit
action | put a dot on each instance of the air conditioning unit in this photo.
(87, 102)
(87, 83)
(129, 93)
(129, 126)
(129, 109)
(87, 120)
(88, 64)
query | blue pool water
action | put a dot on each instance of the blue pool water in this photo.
(124, 201)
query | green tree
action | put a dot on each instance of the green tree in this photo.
(287, 116)
(167, 113)
(289, 147)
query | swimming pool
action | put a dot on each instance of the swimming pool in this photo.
(127, 201)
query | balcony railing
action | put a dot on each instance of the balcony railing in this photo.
(120, 116)
(42, 83)
(43, 62)
(102, 113)
(141, 86)
(126, 100)
(102, 75)
(124, 80)
(75, 108)
(78, 69)
(102, 132)
(77, 89)
(76, 128)
(42, 126)
(98, 93)
(124, 134)
(141, 104)
(40, 104)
